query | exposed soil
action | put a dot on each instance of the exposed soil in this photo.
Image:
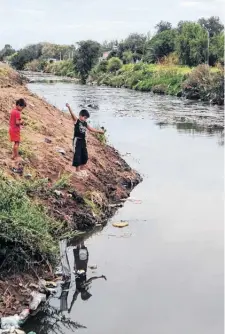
(47, 130)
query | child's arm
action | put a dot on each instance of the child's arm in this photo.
(71, 113)
(95, 130)
(19, 122)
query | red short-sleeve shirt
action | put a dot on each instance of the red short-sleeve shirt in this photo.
(14, 129)
(14, 116)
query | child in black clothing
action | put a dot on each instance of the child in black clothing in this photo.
(80, 157)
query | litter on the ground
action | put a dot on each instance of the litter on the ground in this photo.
(28, 176)
(48, 141)
(9, 322)
(58, 193)
(61, 150)
(17, 170)
(37, 299)
(120, 224)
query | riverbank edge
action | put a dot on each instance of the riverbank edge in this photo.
(78, 205)
(201, 83)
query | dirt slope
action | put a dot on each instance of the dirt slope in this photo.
(110, 177)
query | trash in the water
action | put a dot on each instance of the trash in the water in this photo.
(120, 224)
(119, 205)
(80, 272)
(9, 322)
(93, 266)
(37, 299)
(50, 284)
(133, 200)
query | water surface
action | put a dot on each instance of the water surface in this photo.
(165, 270)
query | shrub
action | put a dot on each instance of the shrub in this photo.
(204, 84)
(114, 64)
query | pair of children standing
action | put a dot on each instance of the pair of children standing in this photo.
(80, 157)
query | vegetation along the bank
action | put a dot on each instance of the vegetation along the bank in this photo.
(162, 63)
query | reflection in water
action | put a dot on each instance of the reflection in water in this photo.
(51, 320)
(81, 256)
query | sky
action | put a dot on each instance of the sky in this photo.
(25, 22)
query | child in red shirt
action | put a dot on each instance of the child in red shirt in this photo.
(14, 127)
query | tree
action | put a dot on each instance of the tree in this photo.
(135, 43)
(191, 44)
(23, 56)
(86, 56)
(6, 52)
(102, 66)
(216, 49)
(114, 64)
(213, 25)
(127, 57)
(162, 26)
(160, 45)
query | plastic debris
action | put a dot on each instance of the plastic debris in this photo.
(61, 150)
(37, 299)
(58, 271)
(120, 224)
(51, 284)
(9, 322)
(28, 176)
(33, 285)
(24, 314)
(93, 267)
(80, 272)
(58, 193)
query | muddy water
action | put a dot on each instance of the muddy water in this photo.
(164, 272)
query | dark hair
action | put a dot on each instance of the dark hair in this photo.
(21, 103)
(85, 113)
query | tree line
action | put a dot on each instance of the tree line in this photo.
(189, 43)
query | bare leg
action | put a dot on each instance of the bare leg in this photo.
(15, 154)
(83, 167)
(78, 169)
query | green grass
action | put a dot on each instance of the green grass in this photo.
(26, 230)
(163, 79)
(63, 182)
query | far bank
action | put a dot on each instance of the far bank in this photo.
(201, 83)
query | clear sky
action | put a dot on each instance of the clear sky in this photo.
(24, 22)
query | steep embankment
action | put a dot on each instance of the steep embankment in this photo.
(48, 200)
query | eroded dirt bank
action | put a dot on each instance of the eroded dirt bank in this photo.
(78, 204)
